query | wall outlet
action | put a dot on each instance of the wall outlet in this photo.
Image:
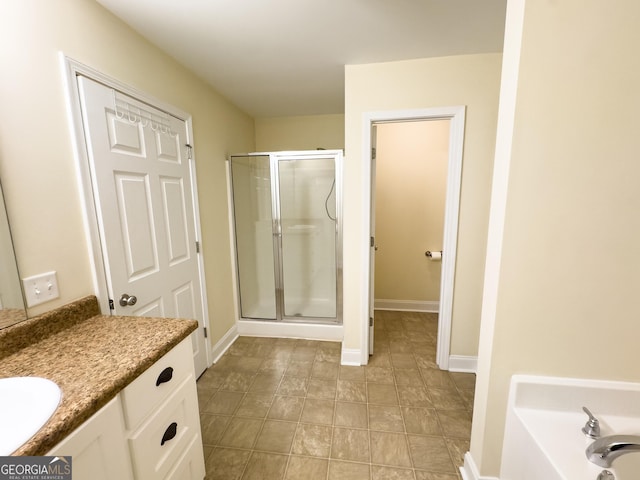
(40, 288)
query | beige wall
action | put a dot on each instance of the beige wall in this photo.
(37, 163)
(471, 80)
(562, 308)
(411, 185)
(300, 133)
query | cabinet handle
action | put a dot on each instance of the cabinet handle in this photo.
(164, 376)
(169, 433)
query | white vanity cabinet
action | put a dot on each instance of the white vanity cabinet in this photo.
(97, 447)
(156, 434)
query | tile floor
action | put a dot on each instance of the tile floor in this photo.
(275, 409)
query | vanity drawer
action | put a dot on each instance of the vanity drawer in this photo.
(191, 465)
(164, 437)
(151, 388)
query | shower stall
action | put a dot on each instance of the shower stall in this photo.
(288, 231)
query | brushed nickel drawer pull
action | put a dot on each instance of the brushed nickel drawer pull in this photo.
(164, 376)
(169, 433)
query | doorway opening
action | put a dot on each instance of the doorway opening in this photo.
(455, 118)
(410, 190)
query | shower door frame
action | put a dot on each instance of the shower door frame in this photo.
(276, 229)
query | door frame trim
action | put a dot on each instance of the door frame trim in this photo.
(456, 114)
(71, 69)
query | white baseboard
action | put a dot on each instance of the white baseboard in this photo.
(351, 356)
(463, 363)
(224, 343)
(257, 328)
(469, 470)
(407, 305)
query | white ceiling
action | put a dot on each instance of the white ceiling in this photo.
(287, 57)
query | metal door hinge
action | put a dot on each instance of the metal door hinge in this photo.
(373, 153)
(189, 151)
(197, 247)
(111, 304)
(372, 241)
(371, 321)
(205, 333)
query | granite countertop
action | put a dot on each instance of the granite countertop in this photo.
(91, 359)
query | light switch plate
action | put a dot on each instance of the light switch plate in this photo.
(40, 288)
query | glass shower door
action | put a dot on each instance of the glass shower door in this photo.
(251, 180)
(307, 206)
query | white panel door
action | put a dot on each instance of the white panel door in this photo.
(141, 176)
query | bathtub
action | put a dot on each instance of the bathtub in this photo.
(543, 438)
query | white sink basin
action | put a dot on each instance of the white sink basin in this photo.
(26, 403)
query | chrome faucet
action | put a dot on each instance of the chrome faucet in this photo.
(592, 427)
(605, 450)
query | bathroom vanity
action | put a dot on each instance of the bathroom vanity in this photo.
(129, 404)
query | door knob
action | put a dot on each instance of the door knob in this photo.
(127, 300)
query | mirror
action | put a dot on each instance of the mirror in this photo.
(12, 309)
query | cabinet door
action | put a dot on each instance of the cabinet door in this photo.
(98, 448)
